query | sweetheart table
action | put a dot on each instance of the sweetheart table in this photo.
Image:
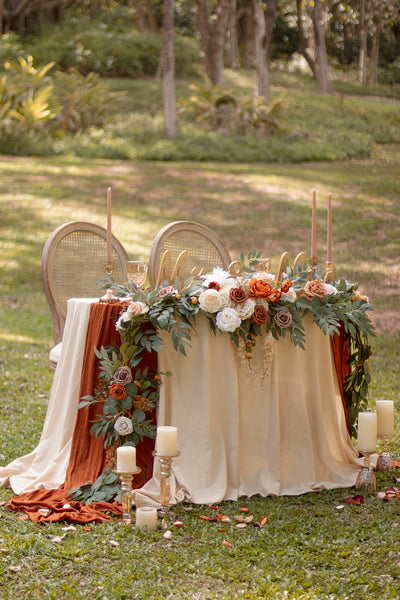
(236, 435)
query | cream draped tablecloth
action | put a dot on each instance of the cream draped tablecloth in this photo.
(46, 465)
(236, 437)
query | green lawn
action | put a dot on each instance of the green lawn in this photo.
(309, 548)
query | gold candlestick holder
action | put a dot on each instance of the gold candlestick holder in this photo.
(165, 475)
(385, 460)
(366, 481)
(126, 493)
(108, 267)
(314, 265)
(329, 271)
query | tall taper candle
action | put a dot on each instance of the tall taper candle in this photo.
(329, 231)
(109, 260)
(314, 226)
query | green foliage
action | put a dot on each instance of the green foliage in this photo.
(83, 99)
(226, 110)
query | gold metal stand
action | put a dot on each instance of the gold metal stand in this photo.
(126, 494)
(165, 475)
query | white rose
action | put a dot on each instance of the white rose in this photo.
(263, 276)
(228, 320)
(211, 301)
(246, 309)
(137, 308)
(330, 289)
(123, 426)
(290, 295)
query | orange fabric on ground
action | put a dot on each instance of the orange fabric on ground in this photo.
(87, 459)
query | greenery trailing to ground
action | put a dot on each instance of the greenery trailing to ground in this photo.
(309, 548)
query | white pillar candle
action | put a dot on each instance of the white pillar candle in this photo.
(167, 441)
(146, 517)
(367, 431)
(385, 418)
(126, 459)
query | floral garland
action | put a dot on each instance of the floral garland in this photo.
(250, 305)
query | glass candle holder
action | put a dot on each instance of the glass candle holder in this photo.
(385, 460)
(366, 480)
(126, 494)
(165, 477)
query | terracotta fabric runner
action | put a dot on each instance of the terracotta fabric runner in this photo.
(87, 459)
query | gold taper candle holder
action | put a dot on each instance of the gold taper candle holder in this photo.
(108, 267)
(126, 493)
(385, 460)
(366, 481)
(314, 265)
(165, 475)
(329, 271)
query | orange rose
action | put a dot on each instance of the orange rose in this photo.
(259, 289)
(118, 392)
(237, 295)
(274, 296)
(286, 286)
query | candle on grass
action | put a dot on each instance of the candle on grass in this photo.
(167, 441)
(109, 259)
(314, 226)
(329, 231)
(367, 432)
(385, 418)
(126, 459)
(146, 517)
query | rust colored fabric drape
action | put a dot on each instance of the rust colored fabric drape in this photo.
(87, 459)
(340, 351)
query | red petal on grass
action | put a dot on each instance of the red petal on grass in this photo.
(263, 521)
(244, 509)
(205, 518)
(227, 544)
(214, 507)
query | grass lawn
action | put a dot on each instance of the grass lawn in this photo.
(309, 548)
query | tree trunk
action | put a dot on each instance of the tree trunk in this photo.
(212, 33)
(261, 62)
(325, 84)
(375, 49)
(363, 46)
(232, 38)
(171, 129)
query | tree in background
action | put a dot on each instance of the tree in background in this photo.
(212, 26)
(312, 25)
(169, 95)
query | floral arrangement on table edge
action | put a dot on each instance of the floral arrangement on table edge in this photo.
(248, 305)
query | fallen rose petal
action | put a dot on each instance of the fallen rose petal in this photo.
(57, 539)
(69, 528)
(4, 550)
(214, 507)
(238, 518)
(15, 568)
(164, 524)
(23, 518)
(241, 525)
(44, 511)
(248, 519)
(223, 518)
(221, 529)
(177, 524)
(339, 506)
(167, 535)
(263, 521)
(381, 495)
(205, 518)
(244, 509)
(227, 544)
(113, 543)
